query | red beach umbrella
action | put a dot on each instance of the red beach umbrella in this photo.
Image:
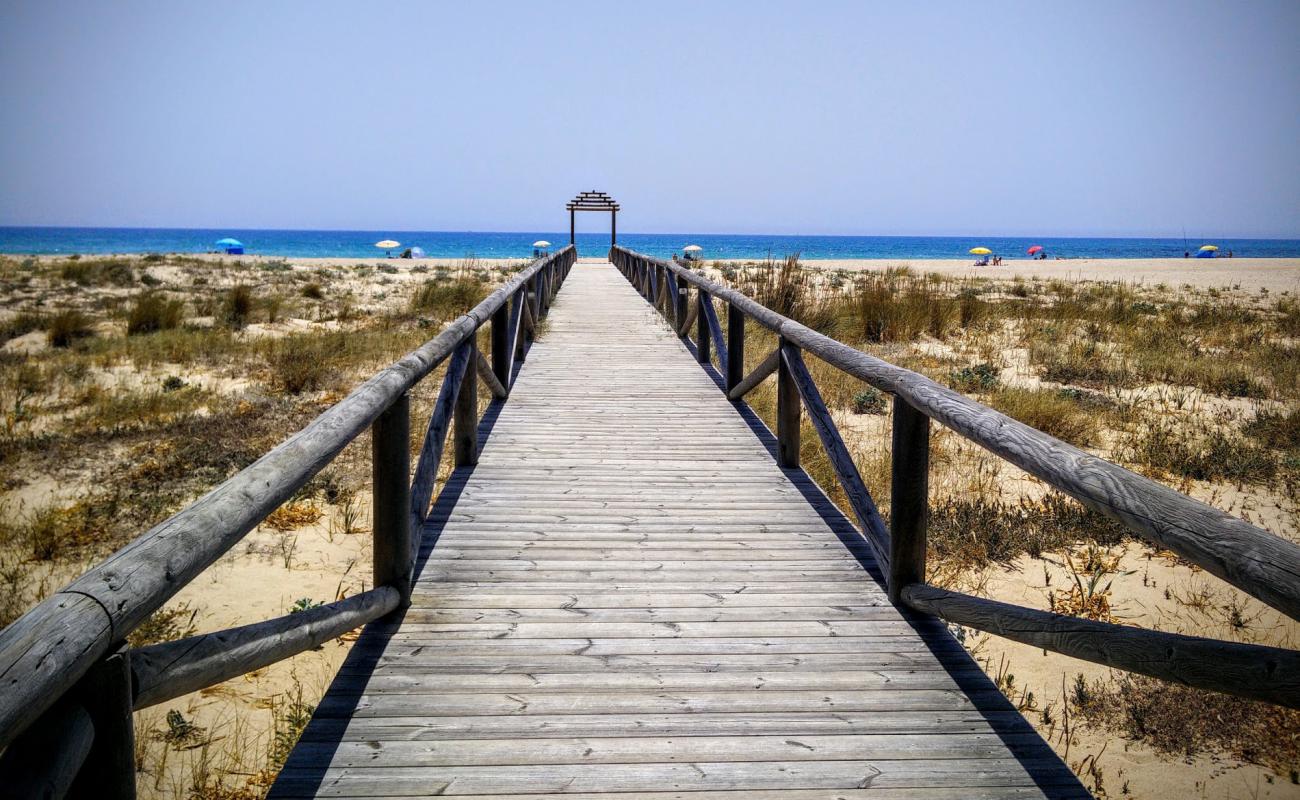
(1038, 248)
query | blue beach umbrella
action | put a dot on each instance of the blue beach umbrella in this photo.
(233, 247)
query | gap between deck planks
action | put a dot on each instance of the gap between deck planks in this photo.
(627, 597)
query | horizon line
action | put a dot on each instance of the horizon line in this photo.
(1295, 237)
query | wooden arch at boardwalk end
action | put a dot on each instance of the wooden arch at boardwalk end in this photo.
(1252, 559)
(593, 201)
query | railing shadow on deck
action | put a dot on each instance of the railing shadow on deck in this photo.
(1250, 558)
(68, 683)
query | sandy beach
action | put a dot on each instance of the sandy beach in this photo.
(1249, 274)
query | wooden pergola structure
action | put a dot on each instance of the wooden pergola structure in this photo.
(594, 201)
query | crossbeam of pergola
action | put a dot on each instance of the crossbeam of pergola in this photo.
(594, 201)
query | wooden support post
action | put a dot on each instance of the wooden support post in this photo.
(682, 305)
(466, 415)
(572, 237)
(613, 227)
(390, 454)
(909, 498)
(501, 345)
(105, 693)
(702, 329)
(735, 346)
(787, 413)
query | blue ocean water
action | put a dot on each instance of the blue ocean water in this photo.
(447, 244)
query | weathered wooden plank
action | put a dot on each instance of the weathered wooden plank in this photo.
(684, 777)
(650, 750)
(760, 373)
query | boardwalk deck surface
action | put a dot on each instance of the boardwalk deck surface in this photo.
(627, 597)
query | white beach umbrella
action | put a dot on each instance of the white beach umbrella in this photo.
(541, 243)
(692, 248)
(387, 244)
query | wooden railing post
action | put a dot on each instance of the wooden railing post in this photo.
(683, 303)
(909, 498)
(702, 329)
(787, 413)
(501, 345)
(105, 693)
(735, 346)
(466, 415)
(390, 453)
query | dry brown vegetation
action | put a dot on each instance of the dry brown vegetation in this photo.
(1195, 388)
(130, 386)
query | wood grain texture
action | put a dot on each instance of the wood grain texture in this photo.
(171, 669)
(1250, 558)
(627, 595)
(1254, 671)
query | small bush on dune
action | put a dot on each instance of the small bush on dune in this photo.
(67, 327)
(1049, 411)
(100, 271)
(1207, 455)
(237, 307)
(975, 532)
(1186, 722)
(153, 312)
(305, 363)
(448, 298)
(313, 291)
(979, 378)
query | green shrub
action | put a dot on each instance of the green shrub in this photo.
(1052, 412)
(450, 298)
(152, 312)
(237, 307)
(979, 378)
(100, 271)
(869, 401)
(67, 327)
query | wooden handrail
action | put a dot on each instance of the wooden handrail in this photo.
(1247, 670)
(171, 669)
(1259, 563)
(49, 649)
(1250, 558)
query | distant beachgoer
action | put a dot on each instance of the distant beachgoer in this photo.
(1229, 254)
(1186, 254)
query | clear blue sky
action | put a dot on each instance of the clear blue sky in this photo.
(1107, 118)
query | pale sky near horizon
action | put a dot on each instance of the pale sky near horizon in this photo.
(776, 117)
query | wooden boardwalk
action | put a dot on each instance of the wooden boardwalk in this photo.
(628, 597)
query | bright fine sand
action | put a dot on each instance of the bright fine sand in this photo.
(1250, 274)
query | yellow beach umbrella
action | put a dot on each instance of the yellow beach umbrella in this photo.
(1210, 247)
(387, 244)
(981, 251)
